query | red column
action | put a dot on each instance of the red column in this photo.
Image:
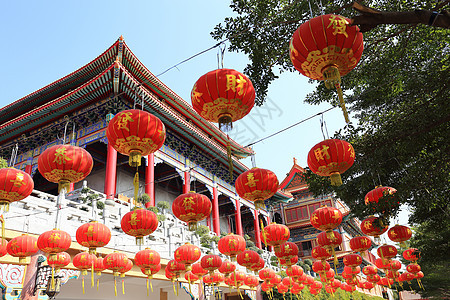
(150, 179)
(215, 211)
(257, 230)
(238, 218)
(187, 182)
(29, 166)
(111, 172)
(71, 187)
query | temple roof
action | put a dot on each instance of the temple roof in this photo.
(294, 179)
(95, 82)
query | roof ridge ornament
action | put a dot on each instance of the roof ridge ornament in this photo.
(120, 48)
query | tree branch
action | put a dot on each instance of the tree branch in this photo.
(370, 18)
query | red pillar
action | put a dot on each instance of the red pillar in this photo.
(111, 172)
(238, 218)
(29, 166)
(215, 211)
(71, 187)
(187, 182)
(150, 179)
(257, 230)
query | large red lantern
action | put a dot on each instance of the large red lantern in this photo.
(331, 158)
(191, 208)
(231, 245)
(377, 193)
(381, 264)
(258, 266)
(65, 164)
(288, 262)
(370, 270)
(320, 253)
(22, 246)
(326, 219)
(248, 258)
(413, 268)
(211, 262)
(59, 260)
(257, 185)
(223, 96)
(93, 235)
(251, 281)
(54, 241)
(319, 267)
(352, 260)
(395, 265)
(139, 222)
(411, 254)
(326, 48)
(360, 244)
(15, 185)
(175, 267)
(116, 262)
(386, 252)
(276, 235)
(187, 254)
(399, 234)
(373, 226)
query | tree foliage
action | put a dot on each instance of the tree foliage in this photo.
(397, 95)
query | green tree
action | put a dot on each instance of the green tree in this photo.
(3, 163)
(398, 96)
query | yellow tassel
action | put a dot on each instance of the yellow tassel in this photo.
(98, 283)
(174, 289)
(151, 285)
(240, 294)
(342, 103)
(115, 287)
(53, 279)
(190, 292)
(136, 184)
(123, 287)
(2, 220)
(82, 283)
(92, 274)
(263, 233)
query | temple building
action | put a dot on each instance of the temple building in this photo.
(76, 109)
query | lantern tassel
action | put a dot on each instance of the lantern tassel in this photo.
(82, 283)
(92, 274)
(148, 294)
(98, 283)
(115, 286)
(53, 278)
(174, 289)
(263, 233)
(342, 103)
(190, 292)
(2, 220)
(151, 285)
(123, 287)
(230, 160)
(136, 185)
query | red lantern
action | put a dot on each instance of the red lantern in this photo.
(275, 280)
(191, 208)
(59, 260)
(379, 192)
(316, 285)
(83, 261)
(251, 281)
(139, 222)
(395, 264)
(15, 185)
(237, 278)
(386, 252)
(294, 272)
(373, 226)
(288, 262)
(231, 245)
(198, 270)
(276, 235)
(411, 254)
(399, 234)
(287, 250)
(217, 278)
(211, 262)
(175, 267)
(373, 278)
(248, 258)
(287, 281)
(65, 164)
(330, 290)
(326, 219)
(386, 281)
(147, 259)
(227, 267)
(190, 277)
(93, 235)
(327, 276)
(313, 291)
(320, 253)
(258, 266)
(266, 274)
(3, 249)
(326, 48)
(336, 284)
(368, 285)
(257, 185)
(352, 270)
(352, 281)
(22, 246)
(360, 243)
(128, 266)
(309, 280)
(352, 260)
(297, 288)
(369, 270)
(319, 267)
(99, 267)
(282, 289)
(223, 96)
(187, 254)
(54, 241)
(266, 287)
(331, 158)
(413, 268)
(330, 243)
(384, 265)
(116, 262)
(407, 276)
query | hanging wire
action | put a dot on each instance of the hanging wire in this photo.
(321, 7)
(321, 126)
(14, 151)
(220, 55)
(68, 120)
(310, 10)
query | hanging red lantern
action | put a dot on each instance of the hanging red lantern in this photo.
(360, 244)
(175, 267)
(287, 281)
(190, 277)
(373, 278)
(313, 291)
(294, 272)
(330, 290)
(276, 235)
(320, 253)
(316, 285)
(22, 246)
(237, 278)
(297, 288)
(336, 284)
(413, 268)
(231, 245)
(352, 270)
(257, 266)
(386, 281)
(198, 270)
(83, 261)
(59, 260)
(407, 277)
(99, 267)
(266, 274)
(320, 268)
(384, 265)
(257, 185)
(15, 185)
(330, 243)
(326, 219)
(217, 278)
(65, 164)
(93, 235)
(150, 272)
(227, 267)
(287, 251)
(211, 262)
(223, 96)
(386, 252)
(187, 254)
(411, 254)
(399, 234)
(352, 260)
(115, 262)
(139, 222)
(54, 241)
(378, 193)
(266, 287)
(331, 158)
(191, 208)
(373, 226)
(369, 270)
(395, 265)
(326, 48)
(127, 267)
(251, 281)
(288, 262)
(282, 289)
(327, 276)
(147, 259)
(309, 280)
(248, 258)
(275, 280)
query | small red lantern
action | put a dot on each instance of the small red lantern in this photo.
(266, 274)
(237, 278)
(15, 185)
(331, 158)
(93, 235)
(373, 278)
(316, 285)
(83, 261)
(150, 272)
(22, 246)
(287, 250)
(147, 259)
(190, 277)
(257, 185)
(326, 219)
(223, 96)
(191, 208)
(297, 288)
(227, 267)
(175, 267)
(99, 267)
(352, 270)
(384, 265)
(198, 270)
(309, 280)
(313, 291)
(330, 290)
(369, 270)
(231, 245)
(330, 243)
(399, 234)
(352, 260)
(320, 253)
(258, 266)
(116, 262)
(187, 254)
(266, 287)
(217, 278)
(386, 252)
(139, 222)
(251, 281)
(379, 192)
(386, 281)
(287, 281)
(54, 241)
(411, 254)
(282, 289)
(211, 262)
(294, 272)
(59, 260)
(275, 280)
(336, 284)
(319, 267)
(368, 285)
(128, 266)
(327, 276)
(395, 265)
(360, 244)
(288, 262)
(276, 235)
(248, 258)
(413, 268)
(407, 277)
(65, 164)
(373, 226)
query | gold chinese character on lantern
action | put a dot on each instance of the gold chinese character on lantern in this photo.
(251, 181)
(18, 182)
(320, 154)
(133, 220)
(123, 119)
(234, 83)
(60, 156)
(339, 25)
(188, 202)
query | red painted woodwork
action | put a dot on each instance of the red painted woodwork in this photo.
(150, 179)
(110, 172)
(238, 217)
(257, 230)
(215, 211)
